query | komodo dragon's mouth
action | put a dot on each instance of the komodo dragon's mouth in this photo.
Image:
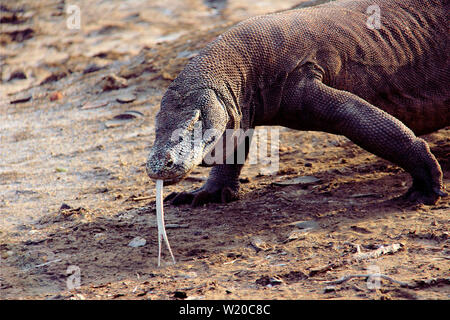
(173, 164)
(171, 180)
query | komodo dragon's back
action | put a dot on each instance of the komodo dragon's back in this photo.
(401, 65)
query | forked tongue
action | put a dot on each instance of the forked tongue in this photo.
(160, 221)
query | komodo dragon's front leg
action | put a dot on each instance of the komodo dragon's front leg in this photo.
(222, 184)
(341, 112)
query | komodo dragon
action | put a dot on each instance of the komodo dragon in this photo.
(323, 69)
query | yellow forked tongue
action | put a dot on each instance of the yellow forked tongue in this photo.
(160, 220)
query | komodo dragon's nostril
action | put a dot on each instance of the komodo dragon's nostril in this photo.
(169, 161)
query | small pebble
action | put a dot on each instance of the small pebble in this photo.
(122, 118)
(305, 224)
(17, 75)
(137, 242)
(92, 68)
(113, 82)
(126, 98)
(329, 289)
(55, 96)
(176, 226)
(94, 105)
(21, 98)
(297, 235)
(180, 295)
(304, 180)
(258, 244)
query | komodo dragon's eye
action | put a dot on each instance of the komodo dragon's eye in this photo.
(192, 122)
(188, 128)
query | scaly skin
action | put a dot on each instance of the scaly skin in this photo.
(322, 69)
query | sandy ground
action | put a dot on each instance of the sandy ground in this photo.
(74, 192)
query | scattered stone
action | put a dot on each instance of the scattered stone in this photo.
(126, 98)
(389, 249)
(12, 18)
(99, 236)
(304, 181)
(259, 245)
(54, 96)
(9, 253)
(17, 35)
(216, 4)
(54, 77)
(180, 295)
(65, 206)
(22, 98)
(94, 104)
(294, 276)
(78, 296)
(113, 82)
(302, 229)
(167, 76)
(297, 235)
(122, 118)
(311, 224)
(195, 298)
(360, 229)
(366, 195)
(168, 37)
(329, 289)
(244, 180)
(189, 275)
(129, 72)
(92, 68)
(268, 281)
(130, 114)
(187, 54)
(176, 226)
(17, 75)
(137, 242)
(66, 210)
(25, 192)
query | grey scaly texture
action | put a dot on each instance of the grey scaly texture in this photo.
(320, 68)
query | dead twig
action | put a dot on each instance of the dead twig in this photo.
(141, 198)
(378, 252)
(358, 256)
(415, 284)
(373, 276)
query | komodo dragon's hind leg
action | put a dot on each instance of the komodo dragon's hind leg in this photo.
(344, 113)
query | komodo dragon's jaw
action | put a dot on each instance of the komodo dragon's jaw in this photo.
(186, 131)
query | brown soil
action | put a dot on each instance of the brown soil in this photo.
(74, 192)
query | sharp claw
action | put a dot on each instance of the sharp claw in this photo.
(200, 199)
(170, 196)
(201, 196)
(228, 195)
(182, 198)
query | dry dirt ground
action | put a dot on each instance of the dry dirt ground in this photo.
(74, 192)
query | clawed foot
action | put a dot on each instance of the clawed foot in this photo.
(204, 195)
(418, 193)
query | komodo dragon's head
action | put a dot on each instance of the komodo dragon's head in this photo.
(187, 128)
